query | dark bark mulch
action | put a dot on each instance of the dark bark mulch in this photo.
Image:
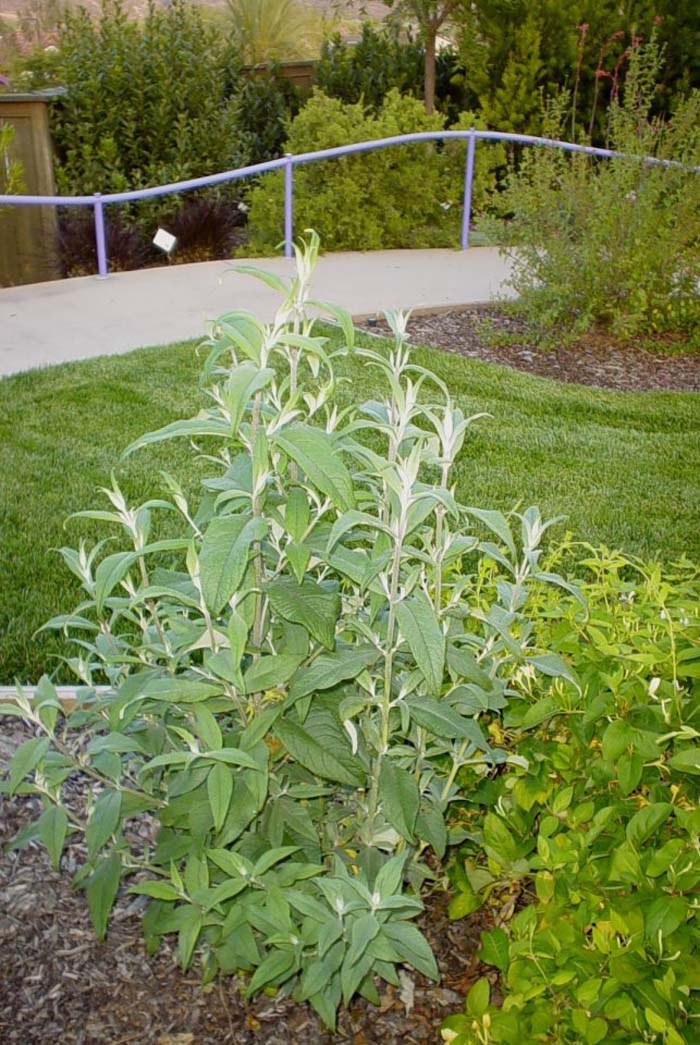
(598, 359)
(59, 984)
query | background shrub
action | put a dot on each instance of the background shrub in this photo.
(614, 241)
(146, 102)
(408, 196)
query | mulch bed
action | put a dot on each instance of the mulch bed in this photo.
(491, 334)
(59, 984)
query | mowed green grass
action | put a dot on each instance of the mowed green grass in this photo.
(624, 468)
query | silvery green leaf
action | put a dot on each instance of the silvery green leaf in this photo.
(270, 671)
(329, 669)
(52, 826)
(421, 629)
(224, 556)
(307, 604)
(109, 573)
(315, 453)
(101, 891)
(103, 822)
(195, 426)
(497, 523)
(331, 762)
(400, 798)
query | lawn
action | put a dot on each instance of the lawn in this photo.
(623, 468)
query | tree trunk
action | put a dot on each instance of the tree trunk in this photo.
(429, 73)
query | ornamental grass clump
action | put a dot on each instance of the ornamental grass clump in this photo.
(290, 687)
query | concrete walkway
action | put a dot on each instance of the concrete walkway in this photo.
(70, 319)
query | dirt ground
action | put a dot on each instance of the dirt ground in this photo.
(596, 359)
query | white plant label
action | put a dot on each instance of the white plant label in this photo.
(165, 240)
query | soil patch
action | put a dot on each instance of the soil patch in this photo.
(597, 359)
(59, 984)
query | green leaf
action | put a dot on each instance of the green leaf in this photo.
(363, 931)
(478, 998)
(629, 771)
(390, 876)
(664, 915)
(412, 947)
(243, 382)
(101, 891)
(442, 720)
(180, 691)
(497, 523)
(52, 826)
(224, 556)
(157, 889)
(315, 453)
(219, 791)
(421, 629)
(306, 604)
(276, 968)
(298, 556)
(297, 514)
(26, 758)
(618, 737)
(400, 798)
(539, 712)
(109, 573)
(272, 857)
(495, 949)
(687, 760)
(430, 827)
(647, 821)
(188, 935)
(270, 672)
(331, 668)
(552, 665)
(464, 903)
(335, 765)
(103, 821)
(178, 429)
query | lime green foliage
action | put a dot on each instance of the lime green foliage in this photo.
(408, 196)
(294, 680)
(614, 241)
(597, 827)
(622, 467)
(146, 102)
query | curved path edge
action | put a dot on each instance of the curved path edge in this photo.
(46, 323)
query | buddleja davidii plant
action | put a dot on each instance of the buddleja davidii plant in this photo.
(294, 699)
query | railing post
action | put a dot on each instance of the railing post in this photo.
(468, 180)
(100, 238)
(288, 205)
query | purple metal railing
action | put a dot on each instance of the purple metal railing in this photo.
(289, 162)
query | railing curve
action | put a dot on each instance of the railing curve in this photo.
(287, 163)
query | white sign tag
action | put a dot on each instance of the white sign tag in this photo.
(165, 240)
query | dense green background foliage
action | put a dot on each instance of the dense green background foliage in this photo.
(146, 103)
(408, 196)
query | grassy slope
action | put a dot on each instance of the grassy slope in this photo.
(623, 467)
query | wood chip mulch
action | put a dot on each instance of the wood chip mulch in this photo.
(58, 984)
(600, 360)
